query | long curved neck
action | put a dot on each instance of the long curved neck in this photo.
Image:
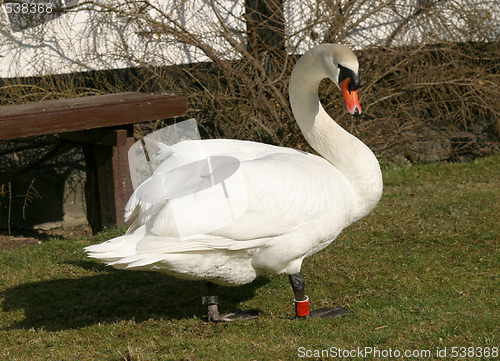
(343, 150)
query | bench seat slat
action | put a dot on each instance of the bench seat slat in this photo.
(68, 115)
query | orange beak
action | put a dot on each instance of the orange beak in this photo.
(351, 97)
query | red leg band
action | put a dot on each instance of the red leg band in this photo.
(302, 307)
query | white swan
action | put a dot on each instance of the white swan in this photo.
(291, 204)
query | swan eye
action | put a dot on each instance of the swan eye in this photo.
(345, 73)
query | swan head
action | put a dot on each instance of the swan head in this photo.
(342, 67)
(336, 62)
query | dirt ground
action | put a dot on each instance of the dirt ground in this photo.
(17, 238)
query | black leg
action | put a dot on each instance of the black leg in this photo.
(213, 310)
(302, 301)
(212, 301)
(298, 286)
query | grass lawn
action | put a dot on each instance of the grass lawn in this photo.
(420, 273)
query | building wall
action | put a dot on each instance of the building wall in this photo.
(182, 31)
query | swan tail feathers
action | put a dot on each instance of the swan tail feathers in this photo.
(160, 245)
(115, 249)
(137, 261)
(138, 251)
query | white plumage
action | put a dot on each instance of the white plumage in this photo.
(269, 208)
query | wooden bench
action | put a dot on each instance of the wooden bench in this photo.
(103, 124)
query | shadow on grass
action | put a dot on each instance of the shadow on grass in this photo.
(114, 296)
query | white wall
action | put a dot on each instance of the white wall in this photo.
(87, 40)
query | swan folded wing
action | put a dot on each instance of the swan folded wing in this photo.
(167, 180)
(285, 191)
(281, 191)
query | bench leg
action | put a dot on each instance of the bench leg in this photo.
(108, 185)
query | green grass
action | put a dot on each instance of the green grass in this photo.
(420, 273)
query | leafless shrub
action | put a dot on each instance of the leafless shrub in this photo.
(424, 63)
(29, 196)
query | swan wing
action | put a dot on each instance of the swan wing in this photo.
(272, 192)
(184, 170)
